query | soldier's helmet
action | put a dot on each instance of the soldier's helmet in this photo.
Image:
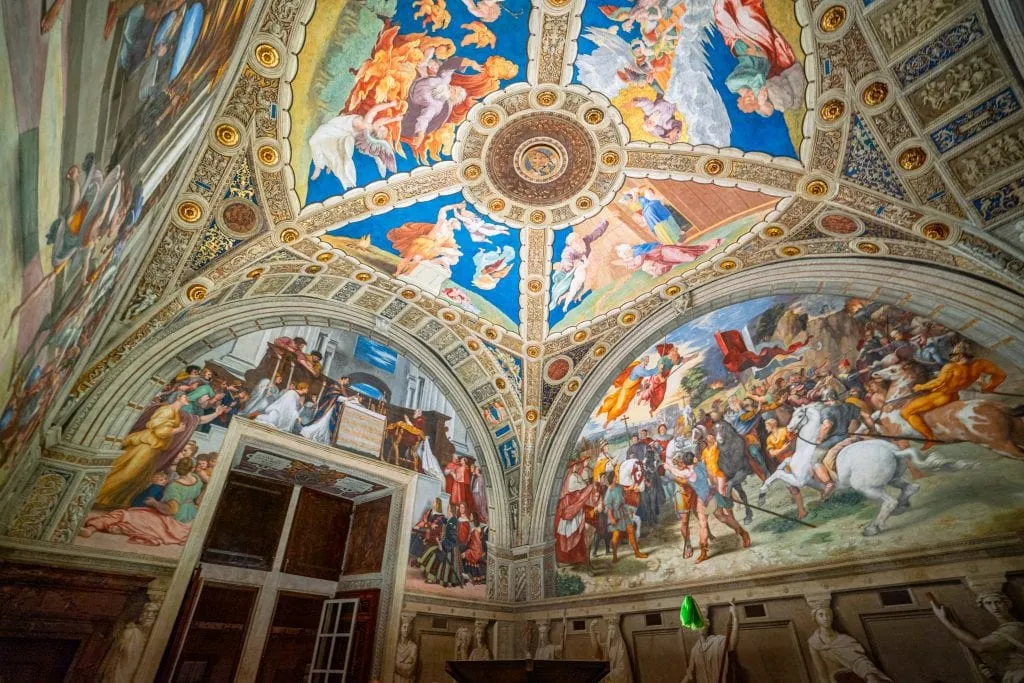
(830, 395)
(961, 350)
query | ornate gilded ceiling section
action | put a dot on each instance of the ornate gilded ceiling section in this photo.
(912, 147)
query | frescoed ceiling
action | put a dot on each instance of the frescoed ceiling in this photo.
(535, 179)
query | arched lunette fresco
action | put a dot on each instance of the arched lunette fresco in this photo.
(687, 350)
(113, 407)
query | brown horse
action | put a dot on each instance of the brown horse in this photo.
(980, 421)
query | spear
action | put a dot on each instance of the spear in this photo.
(774, 514)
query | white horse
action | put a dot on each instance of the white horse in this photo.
(867, 467)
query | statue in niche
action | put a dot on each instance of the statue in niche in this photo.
(613, 649)
(1003, 649)
(407, 654)
(480, 651)
(545, 648)
(833, 652)
(709, 658)
(462, 642)
(124, 658)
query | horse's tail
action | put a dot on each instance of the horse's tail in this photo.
(934, 462)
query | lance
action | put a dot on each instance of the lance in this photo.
(774, 514)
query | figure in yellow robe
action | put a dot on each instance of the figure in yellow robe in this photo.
(624, 390)
(148, 450)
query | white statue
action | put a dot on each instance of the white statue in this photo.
(1003, 649)
(833, 652)
(709, 658)
(462, 641)
(407, 654)
(124, 658)
(480, 652)
(613, 649)
(545, 648)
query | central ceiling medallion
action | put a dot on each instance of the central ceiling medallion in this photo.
(536, 157)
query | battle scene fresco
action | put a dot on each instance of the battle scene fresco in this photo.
(727, 73)
(653, 231)
(82, 224)
(382, 84)
(447, 248)
(329, 386)
(788, 431)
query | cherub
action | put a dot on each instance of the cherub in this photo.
(433, 12)
(485, 10)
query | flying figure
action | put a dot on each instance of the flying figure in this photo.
(333, 145)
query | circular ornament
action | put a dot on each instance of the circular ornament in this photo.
(267, 55)
(190, 211)
(267, 155)
(227, 135)
(832, 19)
(937, 232)
(196, 292)
(875, 94)
(832, 110)
(912, 158)
(817, 188)
(714, 166)
(839, 225)
(239, 217)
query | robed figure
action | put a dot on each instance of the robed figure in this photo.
(576, 497)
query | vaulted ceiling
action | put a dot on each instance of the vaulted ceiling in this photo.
(521, 185)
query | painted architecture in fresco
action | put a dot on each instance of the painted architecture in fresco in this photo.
(332, 387)
(711, 72)
(387, 92)
(69, 254)
(858, 427)
(654, 230)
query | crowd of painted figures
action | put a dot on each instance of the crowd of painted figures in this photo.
(893, 393)
(450, 548)
(155, 486)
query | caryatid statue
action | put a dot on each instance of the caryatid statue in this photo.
(545, 648)
(1002, 649)
(832, 651)
(480, 653)
(613, 649)
(407, 654)
(709, 658)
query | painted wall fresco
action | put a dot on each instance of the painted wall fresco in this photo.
(727, 73)
(446, 248)
(654, 230)
(329, 386)
(382, 85)
(79, 211)
(450, 530)
(856, 428)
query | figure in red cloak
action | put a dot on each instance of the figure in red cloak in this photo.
(736, 357)
(572, 545)
(458, 479)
